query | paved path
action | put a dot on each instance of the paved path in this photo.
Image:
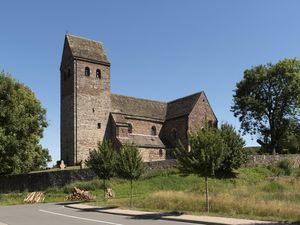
(78, 214)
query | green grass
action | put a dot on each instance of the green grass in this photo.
(56, 169)
(253, 193)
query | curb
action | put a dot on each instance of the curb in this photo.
(207, 220)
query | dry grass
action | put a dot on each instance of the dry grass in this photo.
(268, 200)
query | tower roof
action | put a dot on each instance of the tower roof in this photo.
(87, 49)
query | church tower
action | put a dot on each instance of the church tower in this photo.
(85, 97)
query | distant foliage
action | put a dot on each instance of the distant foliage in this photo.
(22, 122)
(234, 154)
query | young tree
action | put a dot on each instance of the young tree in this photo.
(267, 99)
(204, 156)
(234, 153)
(130, 165)
(102, 161)
(22, 122)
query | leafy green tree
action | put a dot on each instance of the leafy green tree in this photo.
(130, 165)
(290, 142)
(204, 155)
(102, 161)
(234, 153)
(22, 122)
(267, 99)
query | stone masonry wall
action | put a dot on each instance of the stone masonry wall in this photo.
(144, 126)
(273, 159)
(67, 108)
(201, 112)
(42, 181)
(180, 125)
(152, 154)
(93, 107)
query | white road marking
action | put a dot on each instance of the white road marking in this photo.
(80, 218)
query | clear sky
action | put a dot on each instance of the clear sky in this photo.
(158, 49)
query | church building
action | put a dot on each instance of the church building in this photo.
(90, 113)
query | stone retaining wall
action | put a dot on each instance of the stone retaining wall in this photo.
(42, 181)
(273, 159)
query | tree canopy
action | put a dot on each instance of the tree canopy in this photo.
(130, 165)
(267, 99)
(22, 122)
(205, 155)
(234, 154)
(102, 161)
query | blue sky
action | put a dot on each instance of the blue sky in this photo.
(158, 49)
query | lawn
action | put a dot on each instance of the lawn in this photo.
(253, 193)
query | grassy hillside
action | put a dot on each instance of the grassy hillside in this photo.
(254, 193)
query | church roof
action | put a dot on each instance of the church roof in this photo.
(182, 106)
(142, 141)
(138, 107)
(87, 49)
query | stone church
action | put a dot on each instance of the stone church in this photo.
(91, 113)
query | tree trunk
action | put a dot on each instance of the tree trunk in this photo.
(206, 195)
(104, 189)
(131, 189)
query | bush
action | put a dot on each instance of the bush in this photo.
(234, 154)
(286, 166)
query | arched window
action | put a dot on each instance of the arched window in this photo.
(98, 73)
(129, 128)
(161, 153)
(153, 131)
(87, 71)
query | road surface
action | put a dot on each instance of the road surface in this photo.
(58, 214)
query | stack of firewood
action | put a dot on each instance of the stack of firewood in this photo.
(79, 195)
(35, 197)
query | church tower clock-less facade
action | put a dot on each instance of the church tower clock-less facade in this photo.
(85, 97)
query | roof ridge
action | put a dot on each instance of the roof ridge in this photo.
(188, 96)
(143, 99)
(88, 39)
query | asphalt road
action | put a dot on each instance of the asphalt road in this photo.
(58, 214)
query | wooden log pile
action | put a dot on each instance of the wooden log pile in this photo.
(79, 195)
(35, 197)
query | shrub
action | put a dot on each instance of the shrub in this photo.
(286, 166)
(234, 154)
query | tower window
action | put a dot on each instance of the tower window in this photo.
(98, 73)
(87, 71)
(65, 76)
(69, 72)
(129, 128)
(99, 125)
(153, 131)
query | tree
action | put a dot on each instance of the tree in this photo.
(130, 165)
(267, 99)
(102, 161)
(234, 153)
(204, 157)
(22, 122)
(290, 142)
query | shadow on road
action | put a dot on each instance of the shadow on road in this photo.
(161, 216)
